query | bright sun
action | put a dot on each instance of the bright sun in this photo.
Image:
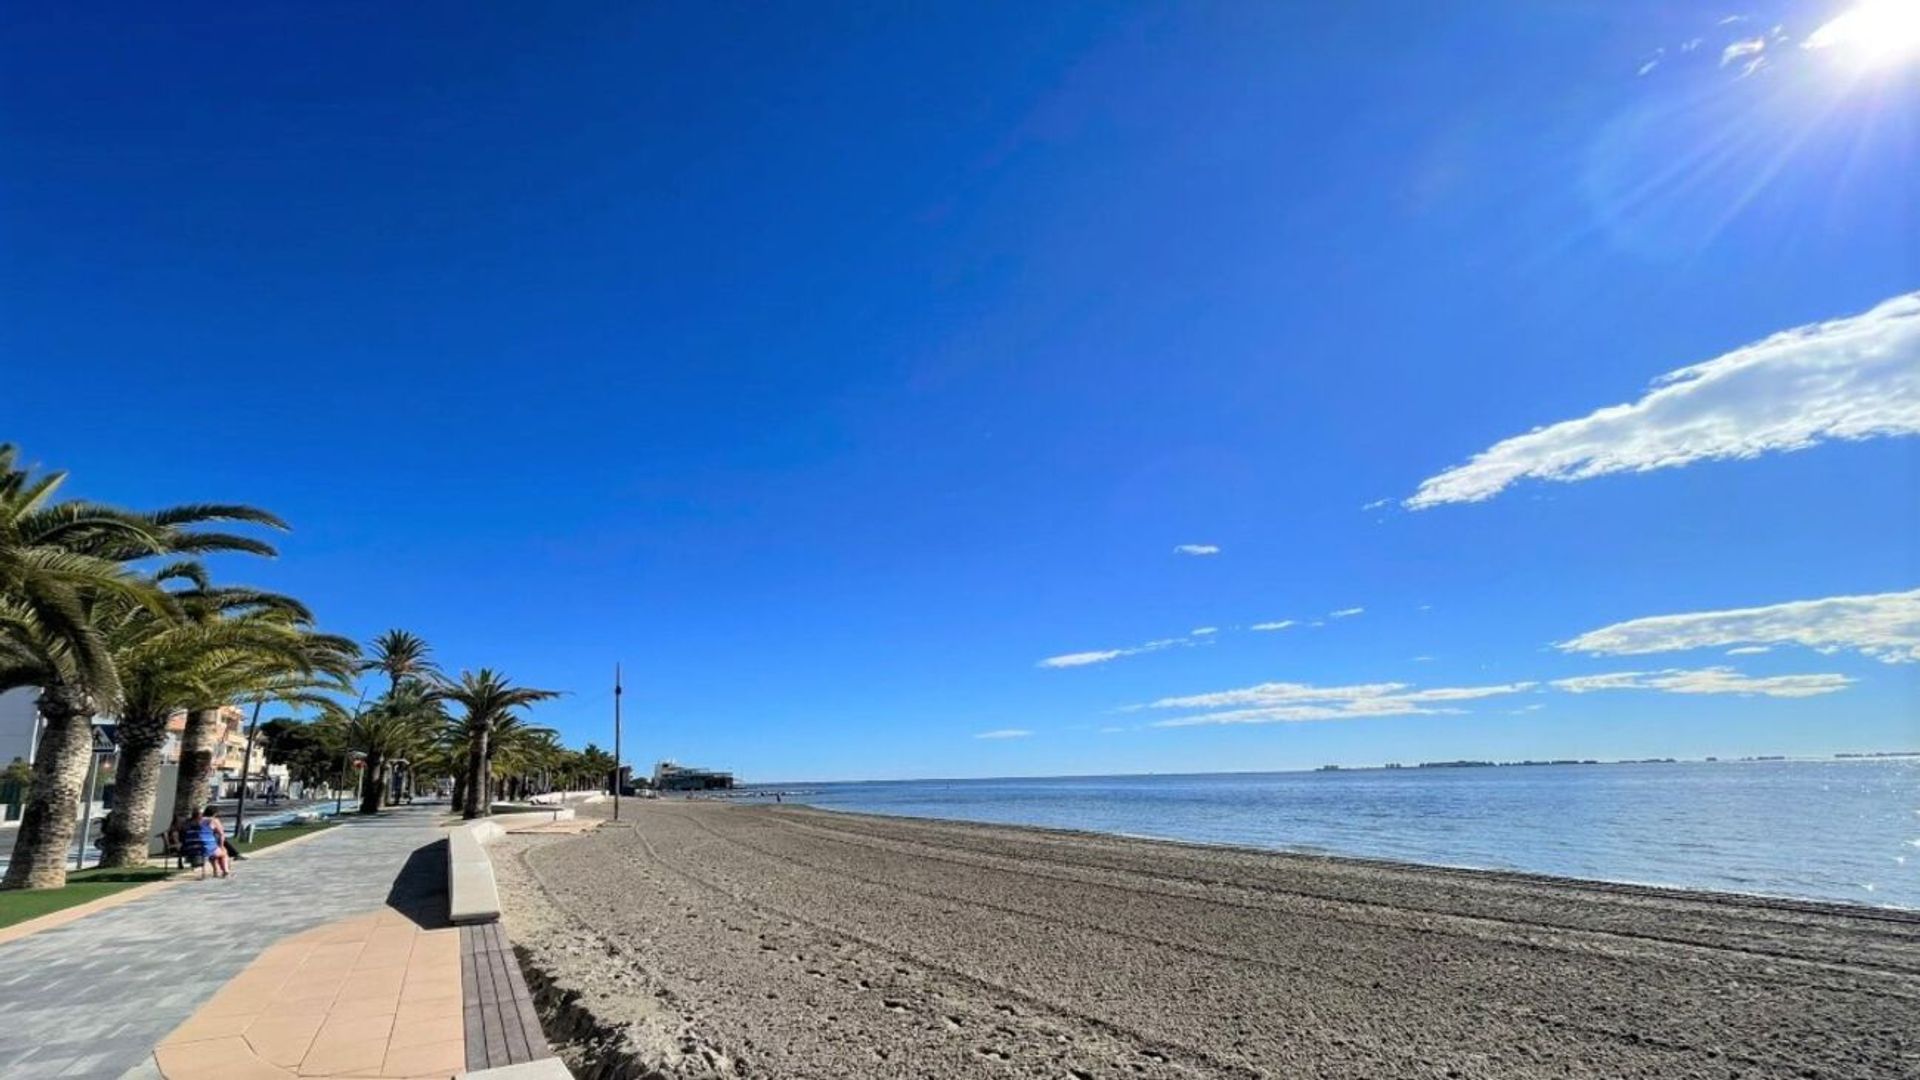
(1872, 34)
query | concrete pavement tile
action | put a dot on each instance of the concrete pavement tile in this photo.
(344, 1058)
(284, 1040)
(203, 1025)
(441, 1058)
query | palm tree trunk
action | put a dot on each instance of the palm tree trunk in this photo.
(460, 790)
(136, 781)
(477, 802)
(196, 760)
(373, 784)
(39, 859)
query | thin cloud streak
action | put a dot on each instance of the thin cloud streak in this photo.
(1197, 549)
(1005, 733)
(1884, 626)
(1848, 379)
(1286, 702)
(1713, 680)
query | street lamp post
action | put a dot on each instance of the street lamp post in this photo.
(616, 742)
(246, 766)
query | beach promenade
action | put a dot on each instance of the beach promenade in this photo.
(95, 996)
(795, 942)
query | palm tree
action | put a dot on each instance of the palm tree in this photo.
(233, 643)
(61, 563)
(515, 751)
(402, 657)
(487, 697)
(296, 666)
(399, 726)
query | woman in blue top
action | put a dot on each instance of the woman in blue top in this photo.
(200, 842)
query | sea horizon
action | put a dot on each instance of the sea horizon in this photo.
(1711, 759)
(1680, 826)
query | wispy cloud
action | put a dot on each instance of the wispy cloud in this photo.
(1713, 680)
(1004, 733)
(1885, 626)
(1346, 613)
(1197, 549)
(1203, 631)
(1745, 47)
(1285, 702)
(1851, 378)
(1101, 656)
(1750, 650)
(1377, 504)
(1112, 730)
(1277, 624)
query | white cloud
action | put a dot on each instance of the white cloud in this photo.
(1203, 631)
(1750, 650)
(1885, 626)
(1713, 680)
(1101, 656)
(1005, 733)
(1346, 613)
(1743, 48)
(1647, 68)
(1197, 549)
(1082, 659)
(1283, 702)
(1277, 624)
(1377, 504)
(1851, 378)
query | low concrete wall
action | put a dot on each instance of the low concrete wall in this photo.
(472, 894)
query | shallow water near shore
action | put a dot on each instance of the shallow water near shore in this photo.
(1846, 830)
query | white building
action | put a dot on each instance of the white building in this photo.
(19, 725)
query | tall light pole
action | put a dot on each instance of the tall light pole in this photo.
(246, 764)
(616, 740)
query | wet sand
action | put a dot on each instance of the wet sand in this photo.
(786, 942)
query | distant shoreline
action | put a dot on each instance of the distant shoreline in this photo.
(1872, 755)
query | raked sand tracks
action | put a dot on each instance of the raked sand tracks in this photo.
(799, 943)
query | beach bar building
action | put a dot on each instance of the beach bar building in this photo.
(673, 776)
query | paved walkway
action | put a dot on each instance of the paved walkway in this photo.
(376, 995)
(94, 997)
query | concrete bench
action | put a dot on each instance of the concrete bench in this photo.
(472, 894)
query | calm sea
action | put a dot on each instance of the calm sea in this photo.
(1831, 830)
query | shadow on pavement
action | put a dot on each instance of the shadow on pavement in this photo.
(419, 891)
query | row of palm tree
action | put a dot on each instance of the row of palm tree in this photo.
(109, 612)
(485, 747)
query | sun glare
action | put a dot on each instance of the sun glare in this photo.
(1872, 34)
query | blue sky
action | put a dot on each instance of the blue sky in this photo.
(836, 366)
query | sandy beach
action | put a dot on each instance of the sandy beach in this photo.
(710, 939)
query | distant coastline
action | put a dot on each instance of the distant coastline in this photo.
(1711, 759)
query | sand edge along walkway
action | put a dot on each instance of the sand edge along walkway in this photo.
(94, 997)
